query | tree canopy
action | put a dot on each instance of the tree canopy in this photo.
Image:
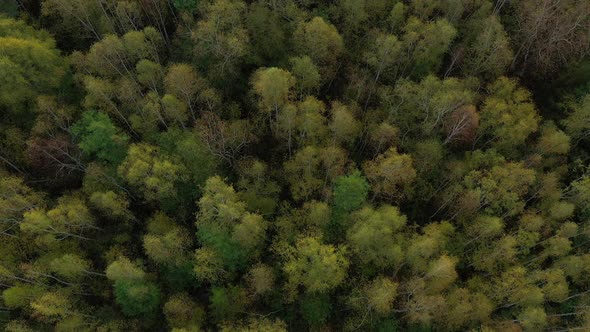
(295, 165)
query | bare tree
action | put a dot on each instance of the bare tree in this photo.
(550, 33)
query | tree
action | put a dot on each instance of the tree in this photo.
(577, 122)
(306, 73)
(256, 189)
(19, 296)
(422, 108)
(273, 86)
(380, 294)
(432, 242)
(174, 110)
(100, 138)
(183, 82)
(137, 298)
(70, 266)
(266, 34)
(182, 312)
(383, 56)
(150, 172)
(375, 237)
(390, 173)
(17, 199)
(30, 63)
(499, 191)
(461, 125)
(228, 302)
(488, 51)
(52, 305)
(311, 122)
(441, 274)
(553, 141)
(255, 325)
(321, 42)
(123, 269)
(224, 139)
(133, 293)
(315, 266)
(344, 126)
(350, 193)
(425, 44)
(199, 162)
(77, 13)
(533, 319)
(225, 226)
(312, 169)
(467, 308)
(220, 37)
(149, 74)
(315, 308)
(111, 204)
(165, 242)
(550, 34)
(70, 218)
(508, 115)
(261, 279)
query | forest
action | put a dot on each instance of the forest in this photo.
(294, 165)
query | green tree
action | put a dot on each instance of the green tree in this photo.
(30, 62)
(375, 237)
(306, 73)
(508, 115)
(182, 312)
(17, 199)
(321, 42)
(150, 172)
(266, 32)
(225, 227)
(424, 45)
(311, 170)
(344, 126)
(137, 298)
(576, 123)
(183, 82)
(350, 192)
(70, 218)
(165, 242)
(100, 138)
(315, 266)
(228, 302)
(390, 173)
(273, 86)
(220, 37)
(488, 52)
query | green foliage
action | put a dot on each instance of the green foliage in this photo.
(228, 302)
(294, 165)
(508, 114)
(225, 226)
(137, 298)
(185, 5)
(100, 138)
(315, 266)
(350, 192)
(30, 64)
(315, 309)
(374, 236)
(321, 42)
(150, 172)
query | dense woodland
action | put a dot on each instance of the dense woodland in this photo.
(295, 165)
